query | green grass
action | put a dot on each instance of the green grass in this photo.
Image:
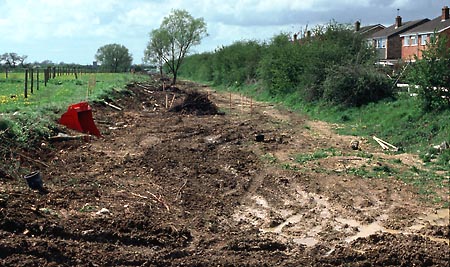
(59, 92)
(26, 120)
(269, 158)
(318, 154)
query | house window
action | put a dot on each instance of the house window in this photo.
(406, 41)
(413, 40)
(380, 43)
(423, 39)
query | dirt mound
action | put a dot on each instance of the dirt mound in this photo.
(196, 103)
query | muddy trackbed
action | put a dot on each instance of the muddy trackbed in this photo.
(192, 186)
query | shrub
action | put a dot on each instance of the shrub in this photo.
(432, 75)
(355, 85)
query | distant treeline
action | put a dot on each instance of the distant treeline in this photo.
(331, 63)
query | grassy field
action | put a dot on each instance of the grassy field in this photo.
(59, 92)
(26, 120)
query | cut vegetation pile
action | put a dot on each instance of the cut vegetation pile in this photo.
(196, 103)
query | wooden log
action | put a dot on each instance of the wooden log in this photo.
(113, 106)
(171, 102)
(385, 145)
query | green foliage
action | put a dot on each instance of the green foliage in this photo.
(114, 58)
(303, 67)
(172, 41)
(198, 67)
(432, 75)
(297, 70)
(236, 64)
(233, 65)
(355, 85)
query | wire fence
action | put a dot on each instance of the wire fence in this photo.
(32, 77)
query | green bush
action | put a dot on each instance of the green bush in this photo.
(432, 75)
(286, 69)
(281, 66)
(355, 85)
(229, 65)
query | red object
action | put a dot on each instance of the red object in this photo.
(79, 117)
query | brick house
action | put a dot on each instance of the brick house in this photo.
(388, 43)
(415, 40)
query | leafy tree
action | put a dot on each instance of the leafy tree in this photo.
(114, 57)
(432, 74)
(156, 48)
(173, 40)
(13, 59)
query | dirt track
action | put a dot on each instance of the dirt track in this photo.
(181, 189)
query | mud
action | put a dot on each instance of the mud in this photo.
(192, 188)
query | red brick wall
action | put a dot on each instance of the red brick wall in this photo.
(408, 52)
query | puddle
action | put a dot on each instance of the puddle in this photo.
(365, 230)
(307, 241)
(440, 217)
(279, 228)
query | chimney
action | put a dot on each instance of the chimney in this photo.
(357, 26)
(398, 22)
(445, 15)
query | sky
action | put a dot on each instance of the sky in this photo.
(71, 31)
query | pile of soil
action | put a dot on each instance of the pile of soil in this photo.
(196, 103)
(174, 189)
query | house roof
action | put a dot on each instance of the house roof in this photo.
(430, 26)
(391, 30)
(368, 28)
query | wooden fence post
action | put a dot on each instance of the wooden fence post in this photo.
(46, 75)
(26, 83)
(31, 80)
(54, 72)
(37, 79)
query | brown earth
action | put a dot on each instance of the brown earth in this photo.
(181, 188)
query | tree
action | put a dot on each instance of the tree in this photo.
(432, 74)
(13, 59)
(156, 47)
(172, 41)
(114, 57)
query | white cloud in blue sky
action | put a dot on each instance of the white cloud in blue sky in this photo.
(72, 31)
